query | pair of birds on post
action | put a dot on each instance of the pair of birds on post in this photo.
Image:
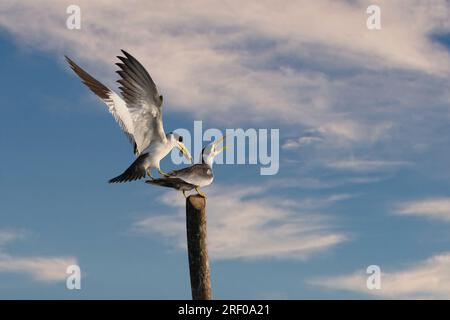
(139, 114)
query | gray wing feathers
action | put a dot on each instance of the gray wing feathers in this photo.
(188, 172)
(96, 86)
(139, 112)
(197, 175)
(136, 84)
(174, 183)
(104, 93)
(143, 101)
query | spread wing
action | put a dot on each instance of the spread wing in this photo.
(142, 100)
(135, 171)
(116, 105)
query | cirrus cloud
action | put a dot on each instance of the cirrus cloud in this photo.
(435, 208)
(39, 268)
(243, 223)
(426, 279)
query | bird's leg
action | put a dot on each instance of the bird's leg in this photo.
(200, 193)
(184, 193)
(163, 173)
(149, 173)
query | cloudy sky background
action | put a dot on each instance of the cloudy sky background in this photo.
(364, 135)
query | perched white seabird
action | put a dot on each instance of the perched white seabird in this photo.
(193, 177)
(139, 114)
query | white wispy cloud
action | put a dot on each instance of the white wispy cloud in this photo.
(300, 142)
(39, 268)
(436, 208)
(232, 55)
(268, 64)
(7, 236)
(427, 279)
(363, 165)
(314, 183)
(244, 222)
(43, 269)
(350, 130)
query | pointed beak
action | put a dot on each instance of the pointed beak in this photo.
(185, 151)
(221, 149)
(216, 143)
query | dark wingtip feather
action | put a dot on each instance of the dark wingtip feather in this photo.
(126, 177)
(123, 59)
(70, 62)
(134, 172)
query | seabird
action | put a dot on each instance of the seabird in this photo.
(139, 114)
(193, 177)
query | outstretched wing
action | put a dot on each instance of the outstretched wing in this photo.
(135, 171)
(116, 105)
(142, 100)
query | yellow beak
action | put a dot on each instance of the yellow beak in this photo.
(216, 143)
(185, 151)
(221, 149)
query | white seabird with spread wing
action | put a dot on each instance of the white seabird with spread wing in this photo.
(139, 113)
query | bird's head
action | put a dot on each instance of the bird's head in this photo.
(212, 150)
(177, 142)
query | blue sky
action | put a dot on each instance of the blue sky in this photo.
(364, 135)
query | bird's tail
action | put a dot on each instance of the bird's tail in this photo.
(134, 172)
(162, 182)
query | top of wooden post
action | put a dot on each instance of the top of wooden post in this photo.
(197, 201)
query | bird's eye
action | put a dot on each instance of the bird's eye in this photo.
(180, 139)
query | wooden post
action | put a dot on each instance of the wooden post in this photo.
(197, 248)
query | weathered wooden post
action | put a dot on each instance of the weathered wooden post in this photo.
(197, 247)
